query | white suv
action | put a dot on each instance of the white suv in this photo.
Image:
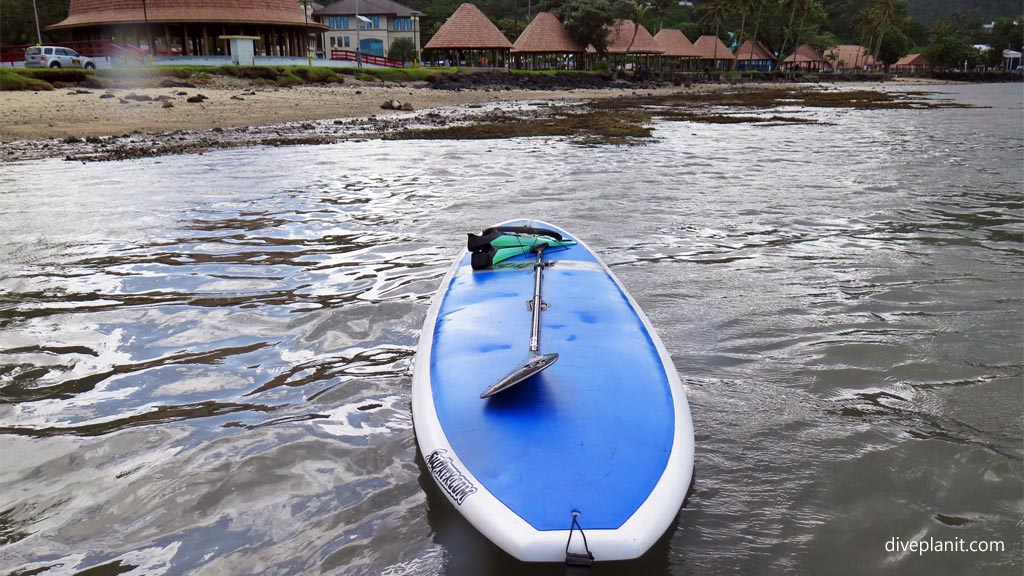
(56, 57)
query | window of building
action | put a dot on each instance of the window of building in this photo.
(346, 42)
(344, 22)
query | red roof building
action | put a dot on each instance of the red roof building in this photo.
(191, 27)
(713, 52)
(469, 34)
(620, 34)
(912, 63)
(806, 58)
(850, 57)
(753, 55)
(545, 43)
(676, 49)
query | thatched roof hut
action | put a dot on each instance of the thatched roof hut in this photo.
(806, 58)
(676, 49)
(753, 55)
(912, 63)
(620, 34)
(546, 35)
(851, 57)
(469, 35)
(674, 44)
(713, 52)
(545, 43)
(468, 29)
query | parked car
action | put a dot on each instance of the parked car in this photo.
(56, 57)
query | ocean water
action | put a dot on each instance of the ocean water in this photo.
(205, 360)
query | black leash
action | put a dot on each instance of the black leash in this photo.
(576, 558)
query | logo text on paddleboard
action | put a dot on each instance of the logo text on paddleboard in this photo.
(449, 477)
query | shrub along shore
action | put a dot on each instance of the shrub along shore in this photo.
(441, 78)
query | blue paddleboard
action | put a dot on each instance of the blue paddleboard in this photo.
(599, 443)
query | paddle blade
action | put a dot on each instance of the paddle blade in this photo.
(533, 365)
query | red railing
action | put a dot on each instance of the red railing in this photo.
(90, 48)
(350, 55)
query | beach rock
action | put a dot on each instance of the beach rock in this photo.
(138, 97)
(236, 97)
(167, 104)
(198, 98)
(407, 107)
(391, 105)
(171, 83)
(107, 95)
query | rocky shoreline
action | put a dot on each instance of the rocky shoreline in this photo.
(147, 122)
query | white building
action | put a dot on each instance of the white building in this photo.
(369, 26)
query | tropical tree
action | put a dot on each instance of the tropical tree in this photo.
(715, 11)
(661, 8)
(585, 20)
(757, 6)
(866, 29)
(403, 49)
(895, 44)
(639, 12)
(744, 7)
(795, 7)
(18, 19)
(951, 51)
(1007, 33)
(881, 15)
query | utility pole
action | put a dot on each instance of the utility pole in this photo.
(305, 13)
(39, 35)
(149, 36)
(359, 44)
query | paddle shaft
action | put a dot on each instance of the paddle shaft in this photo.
(535, 362)
(538, 269)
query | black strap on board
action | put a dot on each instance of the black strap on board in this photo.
(576, 558)
(484, 239)
(482, 252)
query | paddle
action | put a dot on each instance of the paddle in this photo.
(535, 362)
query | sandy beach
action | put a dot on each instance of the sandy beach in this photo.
(118, 123)
(83, 113)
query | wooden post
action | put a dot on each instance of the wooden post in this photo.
(186, 45)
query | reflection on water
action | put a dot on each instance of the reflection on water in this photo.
(205, 360)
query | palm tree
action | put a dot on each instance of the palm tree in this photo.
(639, 12)
(795, 6)
(759, 5)
(661, 8)
(744, 7)
(715, 10)
(882, 14)
(866, 28)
